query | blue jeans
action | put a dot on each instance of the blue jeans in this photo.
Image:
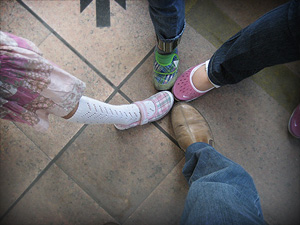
(272, 39)
(168, 17)
(221, 191)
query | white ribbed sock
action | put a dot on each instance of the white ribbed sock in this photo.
(91, 111)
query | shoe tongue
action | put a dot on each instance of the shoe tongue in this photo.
(164, 59)
(150, 108)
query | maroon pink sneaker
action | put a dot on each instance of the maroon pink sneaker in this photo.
(184, 89)
(294, 123)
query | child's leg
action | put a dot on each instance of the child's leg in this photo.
(91, 111)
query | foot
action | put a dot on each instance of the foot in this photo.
(192, 84)
(200, 79)
(294, 123)
(152, 109)
(190, 126)
(165, 70)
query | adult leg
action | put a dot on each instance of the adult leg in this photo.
(221, 191)
(272, 39)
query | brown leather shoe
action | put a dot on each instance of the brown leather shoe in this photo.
(190, 126)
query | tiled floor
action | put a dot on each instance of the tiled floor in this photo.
(79, 174)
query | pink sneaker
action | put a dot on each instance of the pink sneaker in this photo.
(163, 102)
(184, 89)
(294, 123)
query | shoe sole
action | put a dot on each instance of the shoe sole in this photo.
(289, 126)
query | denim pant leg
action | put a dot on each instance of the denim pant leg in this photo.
(221, 191)
(272, 39)
(168, 17)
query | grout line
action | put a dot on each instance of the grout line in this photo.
(154, 189)
(111, 96)
(86, 191)
(167, 134)
(66, 43)
(125, 96)
(117, 89)
(44, 39)
(29, 138)
(136, 68)
(43, 171)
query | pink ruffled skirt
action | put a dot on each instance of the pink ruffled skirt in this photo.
(32, 87)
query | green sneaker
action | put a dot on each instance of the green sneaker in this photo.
(165, 70)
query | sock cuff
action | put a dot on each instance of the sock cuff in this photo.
(81, 110)
(92, 111)
(163, 59)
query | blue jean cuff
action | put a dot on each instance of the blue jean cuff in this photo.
(196, 147)
(211, 77)
(172, 39)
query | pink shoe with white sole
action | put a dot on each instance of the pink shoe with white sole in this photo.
(294, 123)
(184, 89)
(160, 104)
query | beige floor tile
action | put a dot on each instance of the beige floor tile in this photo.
(120, 168)
(246, 12)
(54, 50)
(56, 199)
(114, 51)
(284, 184)
(61, 131)
(56, 137)
(140, 85)
(194, 49)
(20, 163)
(166, 202)
(17, 20)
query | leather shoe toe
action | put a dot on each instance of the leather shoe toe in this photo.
(190, 126)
